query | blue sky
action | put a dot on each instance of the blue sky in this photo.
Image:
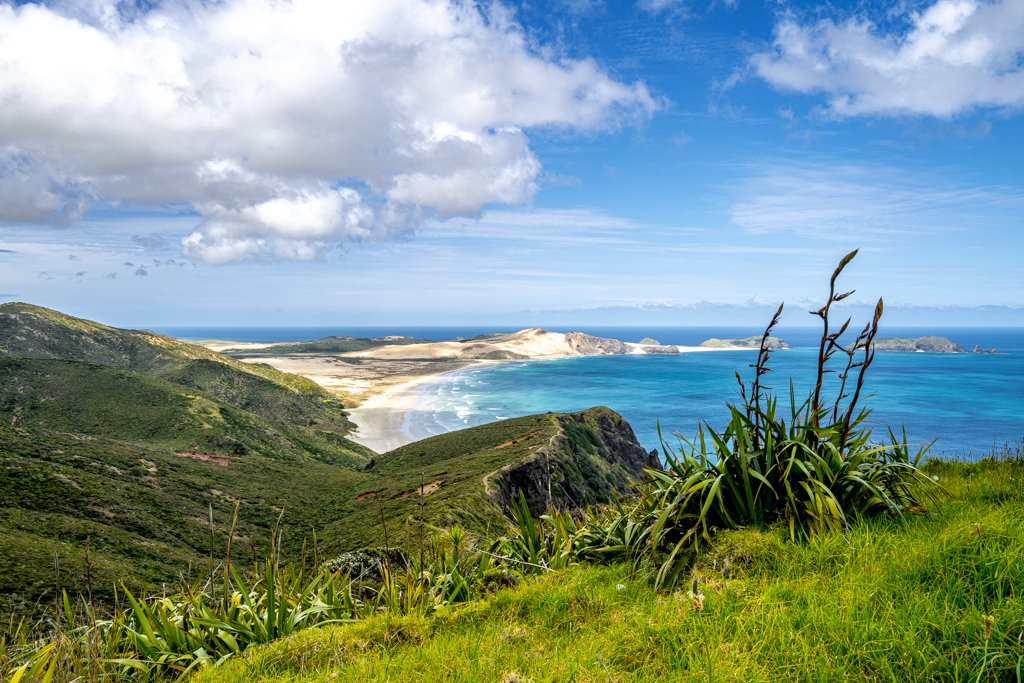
(419, 162)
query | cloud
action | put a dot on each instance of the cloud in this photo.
(151, 242)
(952, 57)
(681, 139)
(851, 202)
(141, 272)
(288, 127)
(111, 276)
(655, 6)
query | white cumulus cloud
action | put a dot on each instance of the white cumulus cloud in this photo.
(287, 124)
(954, 56)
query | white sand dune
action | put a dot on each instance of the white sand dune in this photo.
(530, 343)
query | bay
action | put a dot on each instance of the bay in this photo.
(969, 403)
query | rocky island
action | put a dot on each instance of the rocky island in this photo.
(773, 344)
(977, 349)
(926, 344)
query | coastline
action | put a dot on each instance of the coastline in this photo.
(386, 421)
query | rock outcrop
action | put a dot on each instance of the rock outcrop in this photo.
(977, 349)
(589, 345)
(594, 455)
(661, 350)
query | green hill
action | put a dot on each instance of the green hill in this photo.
(92, 399)
(28, 331)
(927, 344)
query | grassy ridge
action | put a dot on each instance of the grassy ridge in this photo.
(882, 601)
(28, 331)
(96, 400)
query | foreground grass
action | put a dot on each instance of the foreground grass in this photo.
(884, 601)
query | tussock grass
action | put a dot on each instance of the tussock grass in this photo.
(884, 600)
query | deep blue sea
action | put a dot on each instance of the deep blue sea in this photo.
(969, 403)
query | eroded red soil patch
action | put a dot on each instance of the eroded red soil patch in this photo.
(531, 435)
(369, 494)
(206, 457)
(426, 489)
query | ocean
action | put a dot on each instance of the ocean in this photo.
(969, 404)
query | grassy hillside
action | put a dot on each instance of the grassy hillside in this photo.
(938, 598)
(96, 400)
(147, 508)
(28, 331)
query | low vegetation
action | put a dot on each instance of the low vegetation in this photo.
(933, 598)
(33, 332)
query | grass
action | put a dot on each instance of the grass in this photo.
(34, 332)
(146, 509)
(885, 600)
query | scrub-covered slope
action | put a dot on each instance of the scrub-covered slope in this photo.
(28, 331)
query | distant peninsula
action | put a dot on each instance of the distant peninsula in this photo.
(927, 344)
(773, 343)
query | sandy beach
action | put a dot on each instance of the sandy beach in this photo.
(388, 420)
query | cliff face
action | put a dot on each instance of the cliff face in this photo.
(594, 454)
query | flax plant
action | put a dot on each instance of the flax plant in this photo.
(818, 472)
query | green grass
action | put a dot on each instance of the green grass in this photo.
(96, 400)
(882, 601)
(146, 509)
(34, 332)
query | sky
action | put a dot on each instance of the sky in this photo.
(319, 162)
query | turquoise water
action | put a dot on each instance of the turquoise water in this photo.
(969, 403)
